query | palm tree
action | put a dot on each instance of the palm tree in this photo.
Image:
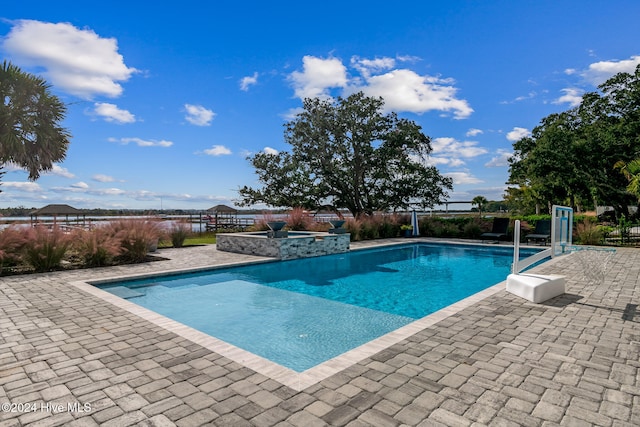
(631, 171)
(30, 136)
(480, 202)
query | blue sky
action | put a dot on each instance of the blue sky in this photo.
(165, 101)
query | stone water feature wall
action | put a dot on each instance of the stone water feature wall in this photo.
(294, 246)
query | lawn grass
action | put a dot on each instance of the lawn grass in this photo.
(200, 239)
(194, 240)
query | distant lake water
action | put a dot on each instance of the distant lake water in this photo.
(198, 221)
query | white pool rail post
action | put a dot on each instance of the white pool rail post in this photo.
(516, 247)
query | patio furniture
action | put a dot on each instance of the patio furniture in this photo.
(498, 230)
(542, 231)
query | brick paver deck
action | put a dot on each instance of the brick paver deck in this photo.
(68, 357)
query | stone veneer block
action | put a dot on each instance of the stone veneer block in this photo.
(292, 247)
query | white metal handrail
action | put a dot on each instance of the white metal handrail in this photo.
(519, 265)
(561, 239)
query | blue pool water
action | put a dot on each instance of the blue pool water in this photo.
(303, 312)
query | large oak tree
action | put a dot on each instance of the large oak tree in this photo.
(347, 154)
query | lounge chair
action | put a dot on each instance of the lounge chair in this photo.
(542, 231)
(498, 230)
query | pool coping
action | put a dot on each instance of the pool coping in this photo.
(295, 380)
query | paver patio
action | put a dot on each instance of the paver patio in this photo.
(69, 358)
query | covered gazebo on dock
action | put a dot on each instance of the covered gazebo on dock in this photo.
(56, 210)
(225, 217)
(222, 212)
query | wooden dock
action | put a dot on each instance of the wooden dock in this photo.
(229, 224)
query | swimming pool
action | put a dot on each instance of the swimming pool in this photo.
(303, 312)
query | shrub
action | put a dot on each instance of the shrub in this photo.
(390, 226)
(299, 220)
(45, 248)
(532, 219)
(624, 228)
(472, 229)
(374, 227)
(450, 230)
(137, 237)
(588, 233)
(178, 233)
(606, 231)
(370, 228)
(525, 229)
(320, 226)
(427, 227)
(439, 229)
(97, 247)
(12, 240)
(260, 223)
(353, 228)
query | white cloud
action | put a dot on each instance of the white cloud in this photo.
(401, 89)
(292, 113)
(454, 148)
(84, 188)
(444, 161)
(450, 152)
(572, 96)
(142, 142)
(520, 98)
(59, 171)
(10, 167)
(102, 191)
(217, 150)
(407, 58)
(29, 187)
(198, 115)
(108, 192)
(368, 66)
(318, 76)
(111, 113)
(530, 95)
(462, 178)
(599, 72)
(80, 185)
(245, 82)
(269, 150)
(103, 178)
(56, 170)
(143, 195)
(474, 132)
(491, 193)
(405, 90)
(80, 62)
(501, 159)
(517, 134)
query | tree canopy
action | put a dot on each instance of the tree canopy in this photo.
(348, 154)
(30, 134)
(631, 171)
(571, 156)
